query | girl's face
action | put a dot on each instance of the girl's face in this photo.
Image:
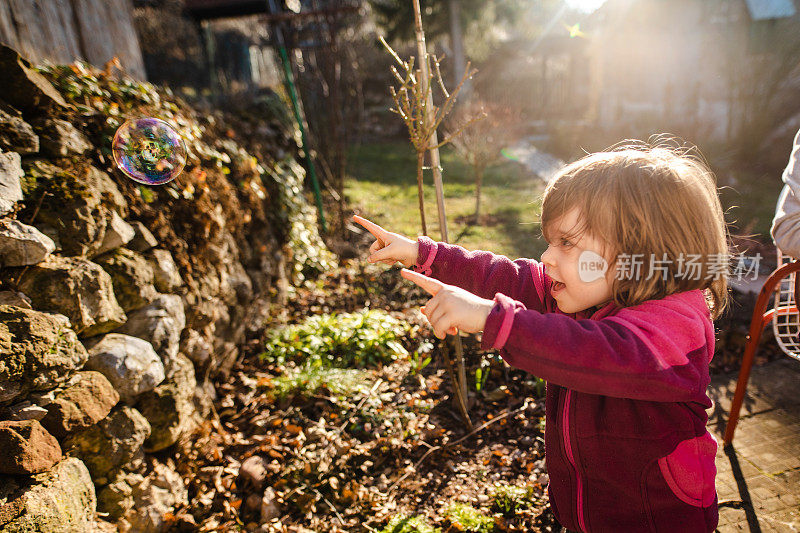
(572, 265)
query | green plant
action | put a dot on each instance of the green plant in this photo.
(482, 374)
(417, 358)
(468, 518)
(307, 381)
(507, 499)
(409, 524)
(311, 257)
(541, 386)
(359, 339)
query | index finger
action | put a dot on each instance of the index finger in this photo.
(373, 228)
(429, 284)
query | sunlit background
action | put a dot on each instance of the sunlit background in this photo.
(586, 6)
(577, 75)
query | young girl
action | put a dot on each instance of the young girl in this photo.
(617, 317)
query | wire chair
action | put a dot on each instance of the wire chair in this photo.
(785, 320)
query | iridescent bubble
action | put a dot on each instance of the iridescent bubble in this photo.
(149, 150)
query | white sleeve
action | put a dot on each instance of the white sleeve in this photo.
(785, 228)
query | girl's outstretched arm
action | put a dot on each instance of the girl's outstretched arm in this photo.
(486, 274)
(658, 350)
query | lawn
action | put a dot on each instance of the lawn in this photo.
(382, 186)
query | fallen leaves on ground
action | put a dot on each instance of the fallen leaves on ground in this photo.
(329, 462)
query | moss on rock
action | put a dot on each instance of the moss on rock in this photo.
(39, 351)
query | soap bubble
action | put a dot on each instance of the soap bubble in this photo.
(149, 150)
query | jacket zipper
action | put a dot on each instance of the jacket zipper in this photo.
(570, 456)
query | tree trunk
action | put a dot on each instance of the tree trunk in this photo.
(420, 164)
(459, 380)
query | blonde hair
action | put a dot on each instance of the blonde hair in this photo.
(641, 199)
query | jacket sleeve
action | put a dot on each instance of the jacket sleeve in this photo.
(655, 354)
(785, 228)
(485, 274)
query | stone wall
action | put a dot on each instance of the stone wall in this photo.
(119, 302)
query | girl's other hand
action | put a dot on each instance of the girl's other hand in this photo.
(389, 247)
(451, 308)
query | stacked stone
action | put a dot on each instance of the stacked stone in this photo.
(91, 371)
(101, 336)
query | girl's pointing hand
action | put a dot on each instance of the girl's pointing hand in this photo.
(451, 308)
(389, 247)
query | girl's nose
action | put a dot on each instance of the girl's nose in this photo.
(547, 257)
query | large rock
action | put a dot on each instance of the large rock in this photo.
(129, 363)
(16, 135)
(59, 138)
(116, 498)
(39, 351)
(10, 186)
(197, 347)
(110, 444)
(159, 494)
(170, 407)
(77, 288)
(132, 276)
(27, 448)
(167, 277)
(87, 399)
(118, 233)
(227, 278)
(23, 87)
(160, 324)
(101, 183)
(58, 501)
(22, 245)
(76, 203)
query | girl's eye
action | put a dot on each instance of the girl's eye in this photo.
(565, 243)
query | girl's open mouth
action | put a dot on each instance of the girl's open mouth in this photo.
(557, 286)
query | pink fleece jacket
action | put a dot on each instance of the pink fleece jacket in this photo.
(626, 442)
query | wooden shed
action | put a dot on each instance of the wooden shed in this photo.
(63, 31)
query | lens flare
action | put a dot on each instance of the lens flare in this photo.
(509, 154)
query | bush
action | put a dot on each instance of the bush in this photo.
(507, 499)
(308, 381)
(469, 519)
(409, 524)
(359, 340)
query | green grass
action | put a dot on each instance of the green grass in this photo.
(383, 187)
